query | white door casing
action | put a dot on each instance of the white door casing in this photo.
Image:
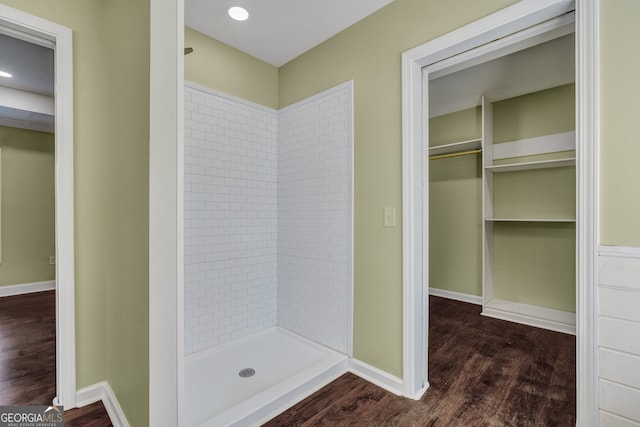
(503, 23)
(33, 29)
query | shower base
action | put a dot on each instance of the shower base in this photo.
(222, 390)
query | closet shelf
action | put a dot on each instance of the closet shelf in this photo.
(473, 144)
(542, 164)
(530, 220)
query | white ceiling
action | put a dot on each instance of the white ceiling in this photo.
(277, 31)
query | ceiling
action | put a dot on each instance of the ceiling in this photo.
(542, 66)
(26, 99)
(277, 31)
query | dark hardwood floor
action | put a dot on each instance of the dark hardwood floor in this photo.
(28, 349)
(482, 372)
(93, 415)
(28, 357)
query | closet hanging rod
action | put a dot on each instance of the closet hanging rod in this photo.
(460, 153)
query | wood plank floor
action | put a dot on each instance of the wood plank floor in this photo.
(28, 357)
(482, 372)
(28, 349)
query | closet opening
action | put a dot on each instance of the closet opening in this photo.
(501, 229)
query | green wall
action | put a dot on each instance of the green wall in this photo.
(28, 206)
(111, 149)
(534, 263)
(520, 250)
(221, 67)
(369, 53)
(619, 146)
(455, 206)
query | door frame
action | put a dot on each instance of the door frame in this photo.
(40, 31)
(415, 187)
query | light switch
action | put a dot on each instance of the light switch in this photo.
(390, 217)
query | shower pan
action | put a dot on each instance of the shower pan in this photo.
(268, 252)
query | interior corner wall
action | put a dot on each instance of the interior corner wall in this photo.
(111, 158)
(369, 53)
(267, 218)
(218, 66)
(28, 206)
(315, 218)
(231, 219)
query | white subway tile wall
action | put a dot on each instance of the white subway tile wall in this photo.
(268, 218)
(231, 219)
(314, 217)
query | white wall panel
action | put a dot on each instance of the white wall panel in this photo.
(619, 336)
(314, 228)
(231, 219)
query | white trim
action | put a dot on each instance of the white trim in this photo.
(228, 97)
(27, 288)
(350, 304)
(38, 28)
(23, 124)
(269, 410)
(102, 391)
(166, 206)
(318, 96)
(457, 296)
(376, 376)
(540, 317)
(493, 27)
(587, 137)
(533, 36)
(620, 251)
(565, 141)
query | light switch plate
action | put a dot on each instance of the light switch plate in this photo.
(390, 217)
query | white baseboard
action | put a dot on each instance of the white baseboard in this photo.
(458, 296)
(27, 288)
(539, 317)
(103, 391)
(376, 376)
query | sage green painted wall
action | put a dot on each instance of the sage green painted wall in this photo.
(369, 53)
(221, 67)
(534, 263)
(455, 206)
(455, 209)
(28, 206)
(111, 137)
(536, 114)
(619, 146)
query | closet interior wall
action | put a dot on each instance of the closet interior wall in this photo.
(530, 262)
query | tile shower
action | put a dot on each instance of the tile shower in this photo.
(268, 246)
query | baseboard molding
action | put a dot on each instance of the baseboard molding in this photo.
(458, 296)
(27, 288)
(103, 391)
(539, 317)
(376, 376)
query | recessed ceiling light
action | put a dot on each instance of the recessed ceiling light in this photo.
(5, 74)
(238, 13)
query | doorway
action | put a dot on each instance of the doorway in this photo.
(34, 30)
(500, 28)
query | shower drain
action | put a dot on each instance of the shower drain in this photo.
(247, 372)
